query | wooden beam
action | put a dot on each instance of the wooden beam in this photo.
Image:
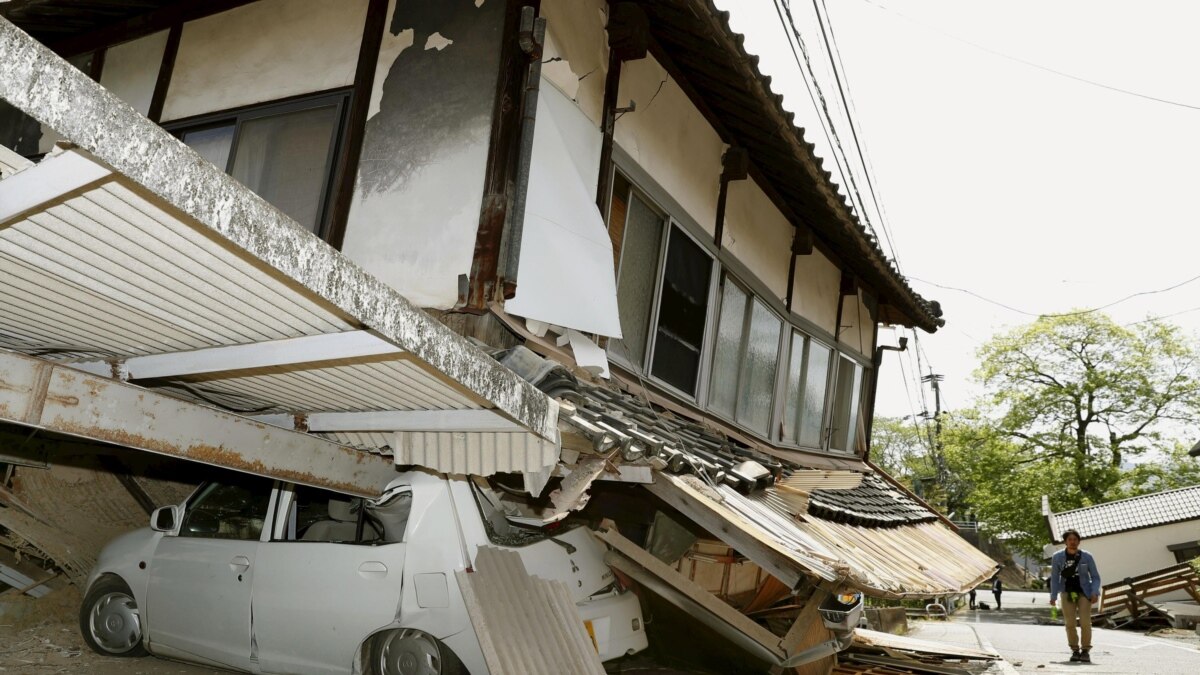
(159, 98)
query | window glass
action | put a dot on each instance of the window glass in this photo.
(321, 515)
(727, 353)
(212, 143)
(683, 308)
(284, 158)
(757, 383)
(813, 411)
(640, 248)
(232, 509)
(846, 398)
(789, 426)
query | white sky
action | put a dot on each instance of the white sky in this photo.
(1026, 187)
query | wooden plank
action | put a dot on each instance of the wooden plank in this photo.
(730, 528)
(693, 592)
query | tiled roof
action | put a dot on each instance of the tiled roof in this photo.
(1160, 508)
(872, 503)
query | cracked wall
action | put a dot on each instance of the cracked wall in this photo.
(417, 198)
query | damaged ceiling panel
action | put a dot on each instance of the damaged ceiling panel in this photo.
(128, 255)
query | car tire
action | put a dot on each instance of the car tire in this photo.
(407, 651)
(109, 619)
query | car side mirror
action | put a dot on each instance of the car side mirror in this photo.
(164, 519)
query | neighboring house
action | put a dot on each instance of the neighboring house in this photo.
(622, 195)
(1136, 535)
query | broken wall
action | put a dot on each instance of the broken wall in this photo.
(417, 198)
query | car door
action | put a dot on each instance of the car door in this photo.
(201, 576)
(329, 575)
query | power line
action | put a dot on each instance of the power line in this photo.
(1060, 314)
(813, 87)
(1033, 64)
(835, 60)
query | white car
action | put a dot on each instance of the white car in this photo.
(270, 577)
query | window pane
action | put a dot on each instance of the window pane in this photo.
(791, 405)
(722, 391)
(846, 395)
(641, 244)
(814, 394)
(213, 144)
(284, 159)
(232, 510)
(683, 308)
(757, 396)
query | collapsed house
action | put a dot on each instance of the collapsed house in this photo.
(581, 244)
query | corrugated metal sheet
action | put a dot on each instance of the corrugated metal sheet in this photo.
(911, 560)
(481, 453)
(525, 625)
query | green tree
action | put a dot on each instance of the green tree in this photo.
(1084, 395)
(902, 448)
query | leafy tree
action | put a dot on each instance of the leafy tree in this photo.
(902, 448)
(1085, 395)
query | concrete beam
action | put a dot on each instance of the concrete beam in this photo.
(41, 394)
(49, 89)
(286, 352)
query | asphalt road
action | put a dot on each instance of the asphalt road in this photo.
(1030, 647)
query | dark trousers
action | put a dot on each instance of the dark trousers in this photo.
(997, 595)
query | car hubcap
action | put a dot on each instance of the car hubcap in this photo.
(115, 623)
(410, 652)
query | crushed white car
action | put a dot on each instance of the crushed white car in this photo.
(271, 577)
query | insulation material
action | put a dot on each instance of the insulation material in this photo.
(525, 625)
(566, 271)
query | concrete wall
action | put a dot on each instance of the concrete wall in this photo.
(417, 198)
(1128, 554)
(262, 52)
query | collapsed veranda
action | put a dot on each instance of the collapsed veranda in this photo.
(304, 240)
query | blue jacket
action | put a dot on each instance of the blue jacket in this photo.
(1089, 574)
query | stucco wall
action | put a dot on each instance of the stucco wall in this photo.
(815, 290)
(131, 69)
(575, 58)
(417, 197)
(858, 330)
(264, 51)
(1128, 554)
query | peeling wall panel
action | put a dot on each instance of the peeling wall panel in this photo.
(566, 253)
(417, 198)
(262, 52)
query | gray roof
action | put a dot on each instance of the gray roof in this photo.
(1160, 508)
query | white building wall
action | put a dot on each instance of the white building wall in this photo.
(1128, 554)
(262, 52)
(131, 69)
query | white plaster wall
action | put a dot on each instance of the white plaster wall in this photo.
(264, 51)
(575, 35)
(815, 290)
(669, 138)
(758, 235)
(858, 330)
(131, 69)
(1128, 554)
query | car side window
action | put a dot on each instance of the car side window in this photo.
(321, 515)
(233, 509)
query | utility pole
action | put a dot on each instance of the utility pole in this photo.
(939, 459)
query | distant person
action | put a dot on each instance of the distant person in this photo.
(971, 597)
(1074, 574)
(997, 589)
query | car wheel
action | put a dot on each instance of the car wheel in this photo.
(109, 619)
(407, 651)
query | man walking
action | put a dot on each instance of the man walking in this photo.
(1073, 574)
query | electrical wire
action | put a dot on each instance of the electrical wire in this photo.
(839, 74)
(783, 7)
(1033, 64)
(1081, 312)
